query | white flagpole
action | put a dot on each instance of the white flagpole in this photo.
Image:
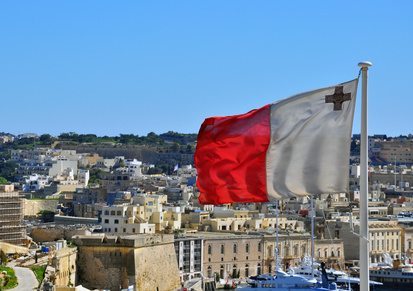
(312, 215)
(276, 238)
(364, 227)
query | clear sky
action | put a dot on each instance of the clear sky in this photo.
(110, 67)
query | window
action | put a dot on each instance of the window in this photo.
(209, 273)
(247, 270)
(116, 230)
(106, 220)
(133, 230)
(259, 269)
(209, 249)
(247, 248)
(259, 247)
(112, 212)
(222, 249)
(106, 212)
(116, 221)
(235, 248)
(124, 230)
(221, 272)
(119, 212)
(234, 271)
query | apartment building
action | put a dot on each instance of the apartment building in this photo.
(125, 219)
(189, 252)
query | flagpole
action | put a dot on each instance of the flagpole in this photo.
(312, 215)
(276, 238)
(363, 206)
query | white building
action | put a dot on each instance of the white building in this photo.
(35, 182)
(61, 165)
(125, 219)
(189, 253)
(83, 177)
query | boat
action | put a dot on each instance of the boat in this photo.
(342, 279)
(395, 277)
(283, 281)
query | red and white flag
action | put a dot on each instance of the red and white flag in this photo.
(294, 147)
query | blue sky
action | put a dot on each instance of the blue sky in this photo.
(110, 67)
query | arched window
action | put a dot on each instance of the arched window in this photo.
(234, 271)
(234, 248)
(247, 270)
(247, 248)
(221, 272)
(338, 252)
(209, 274)
(222, 249)
(303, 250)
(325, 253)
(259, 269)
(209, 249)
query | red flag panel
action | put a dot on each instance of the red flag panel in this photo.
(230, 157)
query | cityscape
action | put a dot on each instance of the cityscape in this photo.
(206, 145)
(123, 212)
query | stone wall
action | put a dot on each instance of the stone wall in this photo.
(33, 206)
(12, 249)
(43, 234)
(64, 263)
(156, 268)
(110, 262)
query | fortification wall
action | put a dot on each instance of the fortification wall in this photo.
(32, 207)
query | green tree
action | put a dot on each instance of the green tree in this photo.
(46, 139)
(8, 170)
(3, 181)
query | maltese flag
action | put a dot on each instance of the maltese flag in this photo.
(295, 147)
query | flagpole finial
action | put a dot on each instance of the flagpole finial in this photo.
(365, 64)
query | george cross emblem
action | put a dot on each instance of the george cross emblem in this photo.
(338, 98)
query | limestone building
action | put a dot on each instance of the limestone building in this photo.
(125, 219)
(292, 248)
(148, 262)
(385, 237)
(228, 255)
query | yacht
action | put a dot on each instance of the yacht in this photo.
(400, 277)
(342, 279)
(283, 281)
